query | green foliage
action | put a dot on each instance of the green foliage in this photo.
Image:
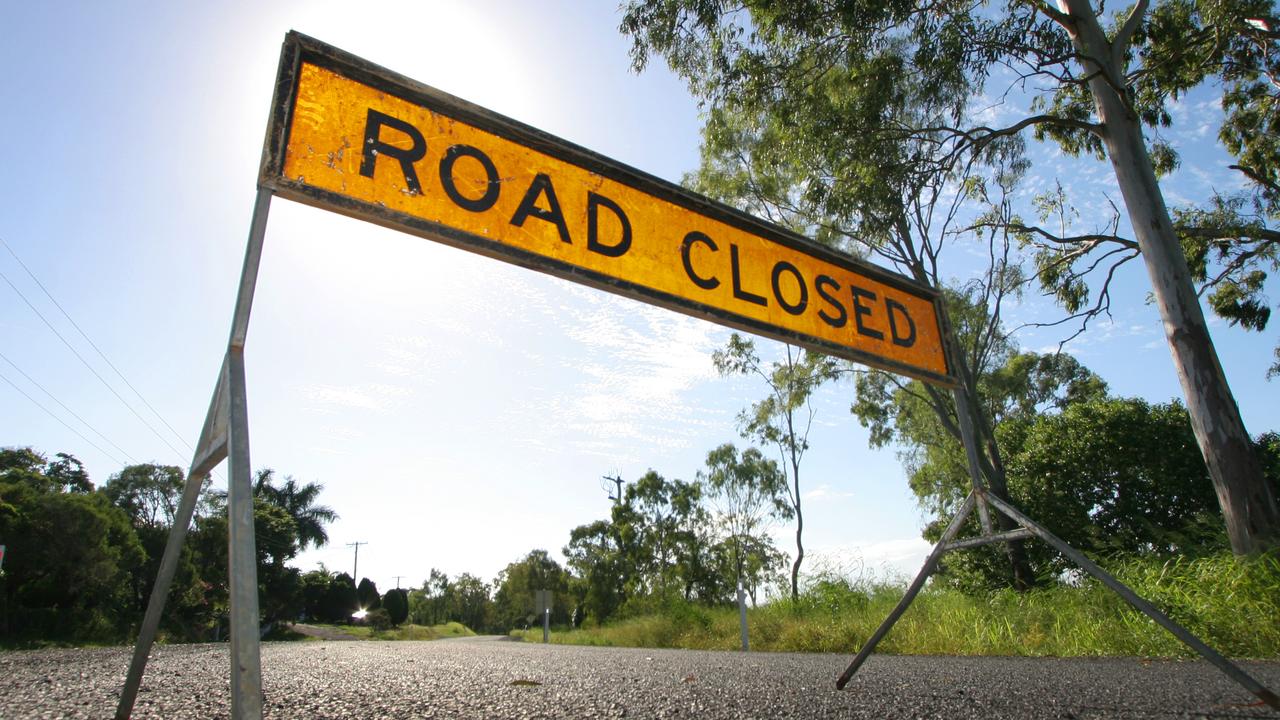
(471, 604)
(748, 492)
(1233, 603)
(378, 619)
(328, 597)
(657, 543)
(515, 601)
(1114, 476)
(396, 603)
(80, 563)
(921, 420)
(406, 632)
(70, 555)
(783, 418)
(299, 502)
(429, 604)
(148, 493)
(367, 595)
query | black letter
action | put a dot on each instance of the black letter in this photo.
(859, 310)
(784, 266)
(820, 285)
(373, 147)
(594, 201)
(541, 185)
(910, 339)
(491, 189)
(710, 283)
(738, 292)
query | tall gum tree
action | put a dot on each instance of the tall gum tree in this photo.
(1248, 505)
(1095, 84)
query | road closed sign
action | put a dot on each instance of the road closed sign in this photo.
(354, 138)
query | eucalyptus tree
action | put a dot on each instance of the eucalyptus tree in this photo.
(299, 501)
(894, 89)
(783, 418)
(748, 490)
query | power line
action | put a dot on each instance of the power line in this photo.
(93, 345)
(64, 407)
(96, 374)
(55, 417)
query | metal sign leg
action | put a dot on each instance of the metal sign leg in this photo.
(246, 667)
(159, 593)
(1031, 528)
(914, 589)
(1229, 668)
(210, 451)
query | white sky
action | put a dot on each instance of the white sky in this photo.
(459, 411)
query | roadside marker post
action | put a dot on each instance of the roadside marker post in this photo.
(543, 599)
(351, 137)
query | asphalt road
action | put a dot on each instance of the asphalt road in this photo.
(490, 678)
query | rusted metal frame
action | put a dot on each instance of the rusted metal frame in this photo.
(1020, 534)
(930, 564)
(1228, 668)
(210, 451)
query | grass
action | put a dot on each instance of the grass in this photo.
(405, 632)
(1232, 604)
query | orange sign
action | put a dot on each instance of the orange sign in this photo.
(364, 142)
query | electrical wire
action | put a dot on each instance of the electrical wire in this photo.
(55, 417)
(94, 345)
(64, 407)
(96, 374)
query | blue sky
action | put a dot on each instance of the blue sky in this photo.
(459, 411)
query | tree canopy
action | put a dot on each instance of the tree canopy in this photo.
(860, 101)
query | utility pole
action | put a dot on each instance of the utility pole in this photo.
(617, 481)
(398, 578)
(355, 569)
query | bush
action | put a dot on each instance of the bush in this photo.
(396, 603)
(379, 620)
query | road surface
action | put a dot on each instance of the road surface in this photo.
(492, 678)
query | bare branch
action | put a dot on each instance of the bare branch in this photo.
(1091, 239)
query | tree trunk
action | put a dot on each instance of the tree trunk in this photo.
(1248, 505)
(795, 566)
(993, 469)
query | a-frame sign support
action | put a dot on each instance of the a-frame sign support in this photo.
(225, 434)
(982, 498)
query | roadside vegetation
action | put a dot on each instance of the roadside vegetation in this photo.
(402, 632)
(1231, 603)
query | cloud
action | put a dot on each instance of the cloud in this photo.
(371, 396)
(894, 559)
(826, 491)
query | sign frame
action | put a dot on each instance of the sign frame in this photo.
(299, 49)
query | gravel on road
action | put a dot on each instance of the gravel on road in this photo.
(490, 678)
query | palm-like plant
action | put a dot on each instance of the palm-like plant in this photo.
(298, 500)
